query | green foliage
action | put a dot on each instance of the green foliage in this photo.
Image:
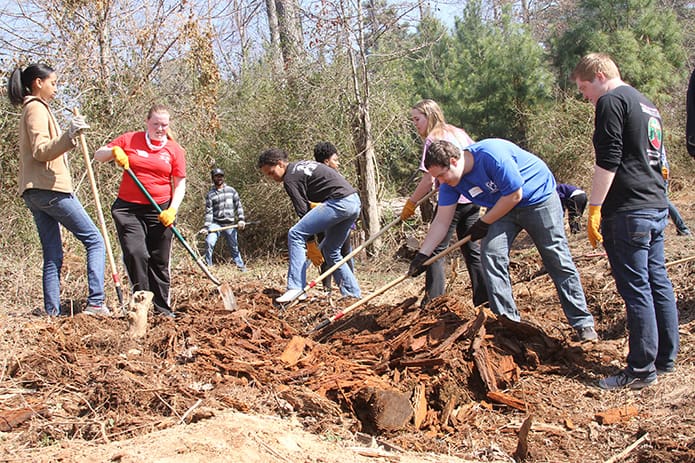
(485, 77)
(263, 111)
(560, 134)
(644, 38)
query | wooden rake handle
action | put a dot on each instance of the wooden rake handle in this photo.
(100, 212)
(390, 285)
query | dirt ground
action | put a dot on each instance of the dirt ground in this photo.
(390, 381)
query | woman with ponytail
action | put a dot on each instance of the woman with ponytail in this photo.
(45, 185)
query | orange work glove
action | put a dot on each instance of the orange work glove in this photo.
(167, 216)
(120, 157)
(664, 172)
(593, 225)
(313, 204)
(313, 253)
(408, 210)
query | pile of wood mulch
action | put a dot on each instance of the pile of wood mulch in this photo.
(447, 378)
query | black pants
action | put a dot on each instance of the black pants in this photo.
(435, 276)
(575, 208)
(146, 245)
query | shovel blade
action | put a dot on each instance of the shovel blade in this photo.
(227, 296)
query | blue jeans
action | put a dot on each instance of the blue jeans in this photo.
(345, 249)
(544, 224)
(634, 243)
(334, 218)
(231, 236)
(677, 219)
(50, 210)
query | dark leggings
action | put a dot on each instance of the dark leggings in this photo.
(435, 276)
(146, 246)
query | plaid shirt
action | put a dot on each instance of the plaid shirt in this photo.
(221, 206)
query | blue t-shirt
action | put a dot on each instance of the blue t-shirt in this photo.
(500, 168)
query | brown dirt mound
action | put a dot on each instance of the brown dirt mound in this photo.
(447, 378)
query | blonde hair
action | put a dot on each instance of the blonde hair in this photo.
(431, 110)
(160, 108)
(593, 63)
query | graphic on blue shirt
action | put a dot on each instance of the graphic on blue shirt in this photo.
(500, 168)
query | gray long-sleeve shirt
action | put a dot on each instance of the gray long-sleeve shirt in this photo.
(223, 206)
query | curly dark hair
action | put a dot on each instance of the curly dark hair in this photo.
(324, 150)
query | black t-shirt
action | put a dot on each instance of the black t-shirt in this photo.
(628, 139)
(313, 181)
(690, 116)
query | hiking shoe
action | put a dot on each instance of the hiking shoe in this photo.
(587, 333)
(291, 295)
(664, 371)
(624, 380)
(100, 309)
(684, 232)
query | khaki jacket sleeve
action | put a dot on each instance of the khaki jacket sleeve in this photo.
(44, 137)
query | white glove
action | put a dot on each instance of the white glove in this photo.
(204, 231)
(76, 124)
(241, 224)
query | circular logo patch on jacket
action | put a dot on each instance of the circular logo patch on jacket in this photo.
(655, 133)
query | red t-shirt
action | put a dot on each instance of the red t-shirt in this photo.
(153, 167)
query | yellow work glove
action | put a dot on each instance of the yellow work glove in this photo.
(120, 157)
(593, 225)
(408, 210)
(664, 172)
(167, 216)
(313, 204)
(313, 253)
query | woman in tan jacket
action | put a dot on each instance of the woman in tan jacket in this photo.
(46, 186)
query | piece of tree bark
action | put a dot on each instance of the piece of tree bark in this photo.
(10, 419)
(294, 350)
(419, 405)
(521, 451)
(617, 415)
(502, 398)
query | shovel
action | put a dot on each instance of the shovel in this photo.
(388, 286)
(100, 214)
(224, 289)
(337, 265)
(227, 227)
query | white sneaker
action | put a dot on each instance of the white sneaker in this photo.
(291, 295)
(101, 310)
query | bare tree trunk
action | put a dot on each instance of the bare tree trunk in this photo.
(290, 31)
(274, 29)
(362, 135)
(366, 174)
(104, 39)
(525, 13)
